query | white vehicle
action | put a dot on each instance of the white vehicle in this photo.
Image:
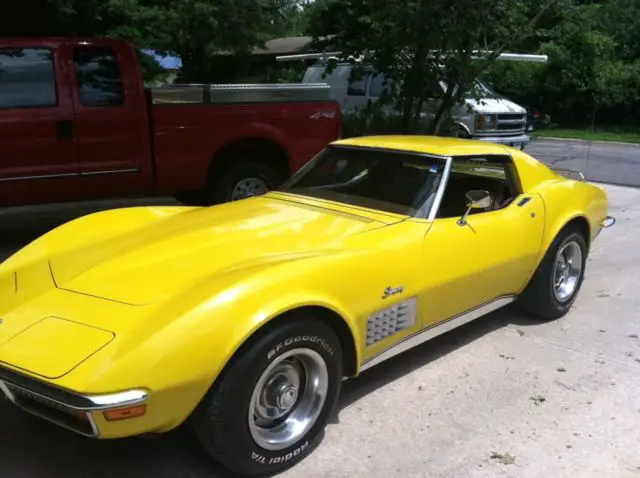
(492, 118)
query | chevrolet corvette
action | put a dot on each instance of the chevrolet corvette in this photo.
(242, 319)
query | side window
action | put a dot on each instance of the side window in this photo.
(339, 77)
(27, 78)
(492, 174)
(98, 74)
(480, 167)
(379, 85)
(313, 74)
(358, 82)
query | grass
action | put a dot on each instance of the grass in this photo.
(590, 135)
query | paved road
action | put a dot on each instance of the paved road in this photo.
(601, 162)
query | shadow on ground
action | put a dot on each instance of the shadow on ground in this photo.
(30, 448)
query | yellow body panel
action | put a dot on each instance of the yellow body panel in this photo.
(54, 346)
(162, 297)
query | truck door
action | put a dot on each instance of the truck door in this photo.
(37, 148)
(112, 125)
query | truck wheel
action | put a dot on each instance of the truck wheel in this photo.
(245, 179)
(274, 401)
(555, 285)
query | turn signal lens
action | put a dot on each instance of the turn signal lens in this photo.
(81, 415)
(125, 413)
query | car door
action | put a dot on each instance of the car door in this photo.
(490, 256)
(38, 150)
(111, 121)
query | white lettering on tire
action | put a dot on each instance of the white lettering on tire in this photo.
(300, 338)
(279, 459)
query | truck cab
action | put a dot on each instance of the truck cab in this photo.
(78, 123)
(492, 118)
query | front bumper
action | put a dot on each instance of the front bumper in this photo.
(606, 223)
(519, 141)
(67, 409)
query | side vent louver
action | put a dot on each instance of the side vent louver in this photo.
(391, 320)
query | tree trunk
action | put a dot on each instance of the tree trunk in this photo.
(444, 111)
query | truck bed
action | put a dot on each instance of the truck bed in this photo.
(190, 122)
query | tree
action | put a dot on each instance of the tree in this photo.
(418, 43)
(197, 30)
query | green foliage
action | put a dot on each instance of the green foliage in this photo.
(418, 43)
(593, 74)
(592, 78)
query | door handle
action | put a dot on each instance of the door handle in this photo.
(64, 130)
(524, 201)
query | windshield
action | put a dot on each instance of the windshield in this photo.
(481, 90)
(389, 181)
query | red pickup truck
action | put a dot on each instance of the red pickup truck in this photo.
(77, 123)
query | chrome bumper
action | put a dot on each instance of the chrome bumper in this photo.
(516, 141)
(608, 222)
(62, 407)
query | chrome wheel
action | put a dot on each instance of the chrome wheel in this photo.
(567, 271)
(288, 399)
(249, 187)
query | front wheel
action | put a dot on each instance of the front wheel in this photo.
(274, 401)
(555, 285)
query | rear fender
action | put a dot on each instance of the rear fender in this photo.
(572, 201)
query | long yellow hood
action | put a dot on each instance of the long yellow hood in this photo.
(162, 258)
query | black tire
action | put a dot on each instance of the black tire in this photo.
(192, 198)
(221, 421)
(220, 187)
(539, 299)
(224, 185)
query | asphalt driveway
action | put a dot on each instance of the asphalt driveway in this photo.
(501, 397)
(613, 163)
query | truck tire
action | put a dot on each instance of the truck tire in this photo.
(245, 178)
(241, 179)
(274, 400)
(556, 283)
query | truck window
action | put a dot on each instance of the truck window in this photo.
(358, 82)
(379, 83)
(98, 74)
(27, 78)
(314, 74)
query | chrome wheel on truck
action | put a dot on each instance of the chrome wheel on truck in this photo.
(248, 187)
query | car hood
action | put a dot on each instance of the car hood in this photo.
(159, 260)
(494, 106)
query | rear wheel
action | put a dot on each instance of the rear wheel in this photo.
(242, 179)
(274, 401)
(555, 285)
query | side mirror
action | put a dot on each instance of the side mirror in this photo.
(476, 199)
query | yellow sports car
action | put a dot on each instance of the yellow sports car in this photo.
(244, 318)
